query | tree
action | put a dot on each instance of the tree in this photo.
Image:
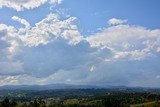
(13, 103)
(5, 103)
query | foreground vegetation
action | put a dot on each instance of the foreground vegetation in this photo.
(81, 98)
(147, 104)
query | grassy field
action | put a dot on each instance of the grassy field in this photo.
(148, 104)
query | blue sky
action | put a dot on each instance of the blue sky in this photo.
(93, 42)
(94, 14)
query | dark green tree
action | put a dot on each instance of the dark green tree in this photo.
(13, 103)
(5, 103)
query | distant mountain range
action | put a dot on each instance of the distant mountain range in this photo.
(64, 86)
(47, 87)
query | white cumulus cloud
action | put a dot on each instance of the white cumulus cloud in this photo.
(51, 28)
(127, 41)
(115, 21)
(20, 5)
(22, 21)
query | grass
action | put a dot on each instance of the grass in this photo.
(148, 104)
(71, 101)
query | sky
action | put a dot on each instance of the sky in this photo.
(82, 42)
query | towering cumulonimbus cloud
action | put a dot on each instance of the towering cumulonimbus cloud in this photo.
(54, 50)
